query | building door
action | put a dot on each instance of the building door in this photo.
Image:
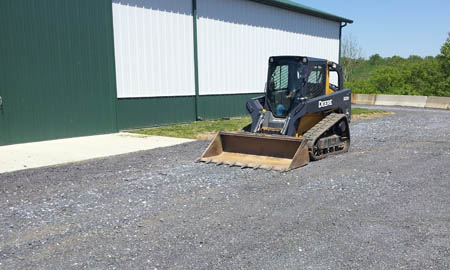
(56, 69)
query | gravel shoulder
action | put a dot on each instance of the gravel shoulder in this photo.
(383, 205)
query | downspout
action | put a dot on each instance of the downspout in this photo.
(194, 16)
(340, 39)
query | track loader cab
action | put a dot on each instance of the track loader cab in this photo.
(304, 114)
(291, 81)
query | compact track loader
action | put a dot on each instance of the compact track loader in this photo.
(302, 116)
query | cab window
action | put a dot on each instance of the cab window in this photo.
(280, 77)
(316, 82)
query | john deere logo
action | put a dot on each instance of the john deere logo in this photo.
(325, 103)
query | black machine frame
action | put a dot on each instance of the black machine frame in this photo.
(339, 101)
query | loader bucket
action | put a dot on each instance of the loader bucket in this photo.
(272, 152)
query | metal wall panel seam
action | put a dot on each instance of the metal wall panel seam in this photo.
(194, 18)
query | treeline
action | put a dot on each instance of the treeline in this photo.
(428, 76)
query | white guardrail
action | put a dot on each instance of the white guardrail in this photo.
(399, 100)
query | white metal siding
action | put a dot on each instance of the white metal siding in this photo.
(153, 42)
(236, 38)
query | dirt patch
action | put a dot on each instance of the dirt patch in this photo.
(370, 115)
(206, 136)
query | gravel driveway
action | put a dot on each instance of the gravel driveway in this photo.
(383, 205)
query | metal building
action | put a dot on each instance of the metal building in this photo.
(71, 68)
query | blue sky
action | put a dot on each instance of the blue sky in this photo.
(396, 27)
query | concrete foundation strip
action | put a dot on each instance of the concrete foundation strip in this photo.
(402, 100)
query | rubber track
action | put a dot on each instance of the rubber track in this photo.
(316, 131)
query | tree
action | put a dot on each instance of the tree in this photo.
(351, 53)
(444, 57)
(375, 59)
(444, 65)
(414, 57)
(386, 79)
(415, 75)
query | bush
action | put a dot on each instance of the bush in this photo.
(429, 76)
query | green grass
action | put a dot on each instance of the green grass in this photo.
(201, 129)
(356, 111)
(192, 130)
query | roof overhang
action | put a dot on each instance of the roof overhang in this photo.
(289, 5)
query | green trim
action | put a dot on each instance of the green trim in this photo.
(194, 18)
(155, 111)
(220, 106)
(134, 113)
(289, 5)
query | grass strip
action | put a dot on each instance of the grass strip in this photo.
(206, 129)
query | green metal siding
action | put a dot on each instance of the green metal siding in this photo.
(219, 106)
(147, 112)
(57, 75)
(4, 132)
